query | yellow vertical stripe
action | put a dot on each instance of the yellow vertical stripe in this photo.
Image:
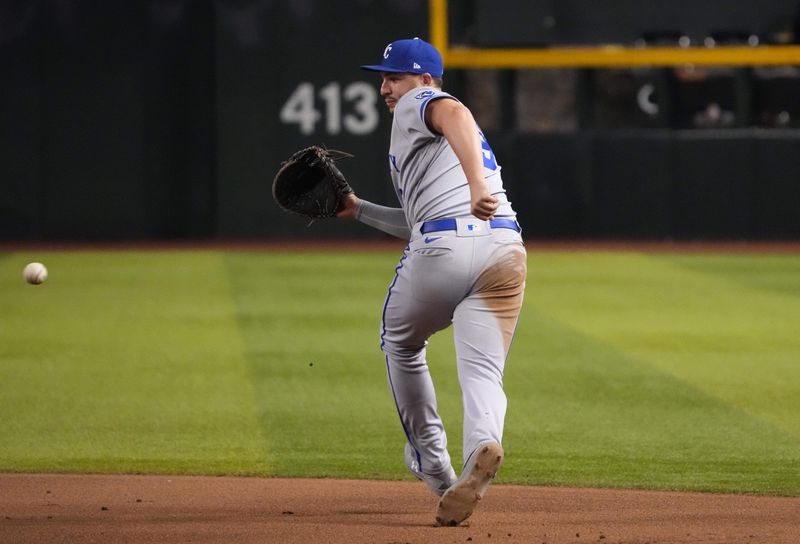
(438, 26)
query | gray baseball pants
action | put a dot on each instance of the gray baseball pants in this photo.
(474, 278)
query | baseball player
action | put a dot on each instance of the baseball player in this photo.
(465, 264)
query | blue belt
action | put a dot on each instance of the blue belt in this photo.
(450, 224)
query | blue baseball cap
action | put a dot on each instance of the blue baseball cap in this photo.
(414, 56)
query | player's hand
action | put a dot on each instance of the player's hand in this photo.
(483, 204)
(350, 202)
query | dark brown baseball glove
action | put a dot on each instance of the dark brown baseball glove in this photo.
(310, 184)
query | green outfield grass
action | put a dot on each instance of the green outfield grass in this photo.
(658, 371)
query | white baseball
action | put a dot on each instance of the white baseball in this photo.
(35, 273)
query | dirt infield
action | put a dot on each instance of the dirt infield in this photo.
(182, 509)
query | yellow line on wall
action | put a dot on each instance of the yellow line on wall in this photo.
(614, 56)
(601, 56)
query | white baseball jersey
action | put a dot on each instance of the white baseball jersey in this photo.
(425, 171)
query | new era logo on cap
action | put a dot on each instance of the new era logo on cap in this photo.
(414, 56)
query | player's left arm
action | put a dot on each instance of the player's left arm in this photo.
(350, 205)
(455, 122)
(389, 220)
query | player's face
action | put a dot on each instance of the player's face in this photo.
(394, 85)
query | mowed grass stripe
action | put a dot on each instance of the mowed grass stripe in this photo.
(125, 362)
(734, 342)
(310, 323)
(583, 413)
(774, 273)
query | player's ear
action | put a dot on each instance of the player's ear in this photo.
(427, 79)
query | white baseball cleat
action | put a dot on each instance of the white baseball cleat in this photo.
(438, 483)
(458, 502)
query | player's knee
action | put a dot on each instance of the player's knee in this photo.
(406, 356)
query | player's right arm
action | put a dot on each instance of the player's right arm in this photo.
(455, 122)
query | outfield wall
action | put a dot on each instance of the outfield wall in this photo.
(167, 120)
(658, 185)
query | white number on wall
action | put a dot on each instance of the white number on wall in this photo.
(360, 97)
(364, 99)
(300, 108)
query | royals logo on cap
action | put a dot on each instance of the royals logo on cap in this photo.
(413, 56)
